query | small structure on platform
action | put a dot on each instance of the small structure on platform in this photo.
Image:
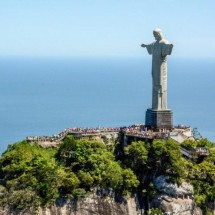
(194, 153)
(159, 116)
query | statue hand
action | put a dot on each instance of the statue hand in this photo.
(143, 45)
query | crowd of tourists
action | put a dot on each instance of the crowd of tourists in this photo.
(138, 130)
(61, 135)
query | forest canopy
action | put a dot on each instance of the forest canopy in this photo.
(32, 176)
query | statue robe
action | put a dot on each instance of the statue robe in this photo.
(159, 51)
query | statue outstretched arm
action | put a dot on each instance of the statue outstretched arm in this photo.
(143, 45)
(148, 47)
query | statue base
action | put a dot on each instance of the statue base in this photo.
(159, 119)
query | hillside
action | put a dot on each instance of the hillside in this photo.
(33, 177)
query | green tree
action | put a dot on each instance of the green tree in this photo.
(94, 165)
(155, 211)
(136, 156)
(31, 169)
(165, 157)
(202, 174)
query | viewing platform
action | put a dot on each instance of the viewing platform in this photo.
(134, 132)
(193, 153)
(126, 136)
(76, 132)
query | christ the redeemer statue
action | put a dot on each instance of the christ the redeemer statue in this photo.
(159, 51)
(159, 117)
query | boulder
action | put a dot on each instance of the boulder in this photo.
(174, 199)
(162, 185)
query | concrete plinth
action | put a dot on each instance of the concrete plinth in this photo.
(159, 119)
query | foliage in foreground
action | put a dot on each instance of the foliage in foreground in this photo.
(201, 173)
(149, 161)
(32, 176)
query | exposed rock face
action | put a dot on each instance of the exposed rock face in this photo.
(92, 205)
(172, 200)
(176, 206)
(184, 190)
(175, 200)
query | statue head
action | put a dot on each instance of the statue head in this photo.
(158, 34)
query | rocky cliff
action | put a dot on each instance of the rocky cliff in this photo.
(174, 199)
(93, 204)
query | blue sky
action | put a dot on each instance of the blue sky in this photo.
(105, 27)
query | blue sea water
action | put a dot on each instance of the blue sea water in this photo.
(42, 96)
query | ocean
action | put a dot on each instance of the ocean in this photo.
(43, 96)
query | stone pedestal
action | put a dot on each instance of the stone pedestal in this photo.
(159, 119)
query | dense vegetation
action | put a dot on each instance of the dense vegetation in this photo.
(201, 173)
(33, 176)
